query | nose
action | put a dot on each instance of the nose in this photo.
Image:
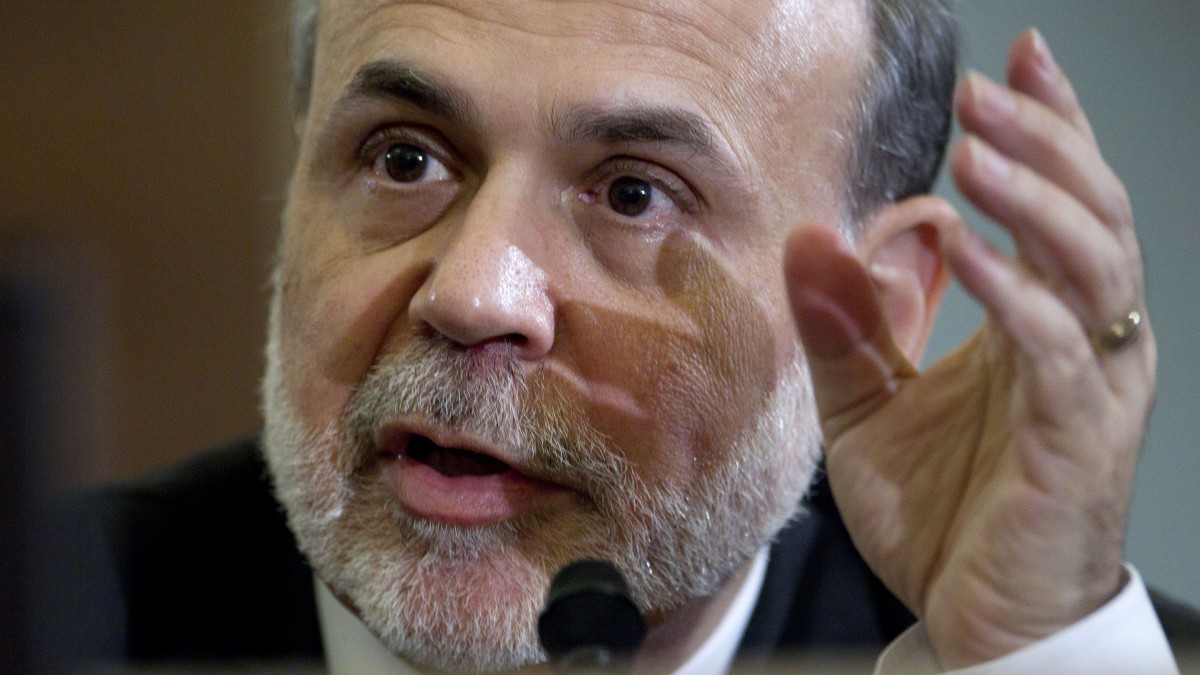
(485, 289)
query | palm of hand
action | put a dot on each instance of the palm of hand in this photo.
(953, 490)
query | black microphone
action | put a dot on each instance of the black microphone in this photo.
(589, 621)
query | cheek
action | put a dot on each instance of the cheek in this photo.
(735, 345)
(335, 314)
(692, 365)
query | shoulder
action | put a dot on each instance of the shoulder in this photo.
(201, 492)
(818, 593)
(192, 562)
(1181, 623)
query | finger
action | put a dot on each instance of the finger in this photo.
(1060, 364)
(1039, 137)
(1033, 71)
(854, 364)
(1095, 275)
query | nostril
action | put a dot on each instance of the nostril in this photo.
(483, 290)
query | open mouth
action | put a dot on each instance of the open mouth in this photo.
(457, 486)
(452, 462)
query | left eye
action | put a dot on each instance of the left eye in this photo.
(408, 163)
(630, 196)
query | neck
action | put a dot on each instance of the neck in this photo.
(677, 636)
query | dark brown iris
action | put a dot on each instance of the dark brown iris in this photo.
(629, 196)
(405, 163)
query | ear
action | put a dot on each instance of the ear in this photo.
(901, 248)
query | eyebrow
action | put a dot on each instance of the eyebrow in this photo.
(393, 80)
(635, 124)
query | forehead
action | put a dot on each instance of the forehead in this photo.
(727, 27)
(741, 52)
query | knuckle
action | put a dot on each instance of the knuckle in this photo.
(1072, 366)
(1120, 209)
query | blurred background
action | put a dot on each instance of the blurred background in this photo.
(144, 151)
(144, 148)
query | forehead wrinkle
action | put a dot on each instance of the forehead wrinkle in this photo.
(589, 21)
(603, 22)
(704, 34)
(705, 31)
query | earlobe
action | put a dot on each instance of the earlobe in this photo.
(901, 248)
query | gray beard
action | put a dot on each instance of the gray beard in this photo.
(467, 599)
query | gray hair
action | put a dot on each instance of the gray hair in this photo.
(904, 109)
(902, 117)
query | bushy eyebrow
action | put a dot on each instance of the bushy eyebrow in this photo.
(634, 124)
(394, 80)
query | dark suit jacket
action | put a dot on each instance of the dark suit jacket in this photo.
(196, 564)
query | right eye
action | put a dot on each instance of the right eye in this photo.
(408, 163)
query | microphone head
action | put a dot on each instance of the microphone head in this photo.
(589, 618)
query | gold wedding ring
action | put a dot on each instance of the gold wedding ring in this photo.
(1120, 333)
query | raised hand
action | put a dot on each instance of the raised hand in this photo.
(991, 492)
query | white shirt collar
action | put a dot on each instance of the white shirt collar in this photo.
(351, 648)
(716, 654)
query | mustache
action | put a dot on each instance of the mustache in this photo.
(489, 394)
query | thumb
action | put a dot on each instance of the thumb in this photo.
(854, 364)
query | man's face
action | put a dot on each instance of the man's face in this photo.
(529, 306)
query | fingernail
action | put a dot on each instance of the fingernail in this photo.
(1042, 49)
(989, 162)
(994, 99)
